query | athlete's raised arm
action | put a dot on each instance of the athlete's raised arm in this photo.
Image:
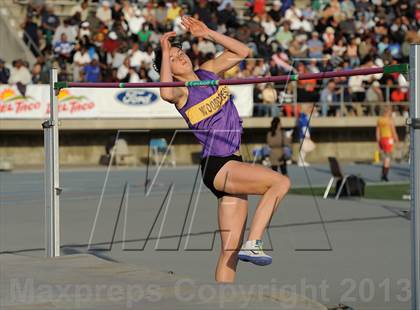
(170, 94)
(234, 52)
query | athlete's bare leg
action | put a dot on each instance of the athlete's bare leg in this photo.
(243, 178)
(232, 215)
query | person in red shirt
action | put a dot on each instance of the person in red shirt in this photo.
(259, 7)
(111, 43)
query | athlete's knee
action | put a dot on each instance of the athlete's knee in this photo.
(282, 184)
(287, 182)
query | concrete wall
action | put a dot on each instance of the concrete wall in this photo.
(85, 147)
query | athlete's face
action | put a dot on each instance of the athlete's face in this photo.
(180, 62)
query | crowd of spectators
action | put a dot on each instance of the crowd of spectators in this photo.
(113, 41)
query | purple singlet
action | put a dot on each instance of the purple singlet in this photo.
(212, 115)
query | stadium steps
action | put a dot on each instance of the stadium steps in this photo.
(11, 17)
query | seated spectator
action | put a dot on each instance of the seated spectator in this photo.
(286, 100)
(123, 70)
(282, 61)
(113, 77)
(328, 37)
(306, 25)
(120, 27)
(364, 25)
(223, 3)
(306, 91)
(144, 77)
(358, 93)
(275, 11)
(135, 56)
(315, 46)
(84, 30)
(147, 57)
(203, 12)
(46, 63)
(49, 22)
(19, 73)
(374, 96)
(81, 8)
(261, 68)
(116, 58)
(284, 36)
(268, 24)
(133, 76)
(352, 52)
(149, 13)
(177, 23)
(63, 48)
(339, 48)
(348, 8)
(395, 49)
(80, 59)
(269, 98)
(92, 72)
(312, 67)
(348, 26)
(248, 71)
(331, 9)
(397, 95)
(136, 22)
(104, 13)
(111, 43)
(145, 34)
(365, 47)
(228, 17)
(36, 74)
(328, 100)
(259, 7)
(117, 11)
(206, 46)
(160, 16)
(297, 49)
(293, 14)
(4, 72)
(127, 10)
(232, 72)
(70, 31)
(173, 11)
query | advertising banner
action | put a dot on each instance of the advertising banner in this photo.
(101, 103)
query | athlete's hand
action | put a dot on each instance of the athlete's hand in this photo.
(164, 41)
(197, 28)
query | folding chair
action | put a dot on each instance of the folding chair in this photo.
(259, 153)
(336, 175)
(161, 146)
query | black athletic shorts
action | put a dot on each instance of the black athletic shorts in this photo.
(210, 166)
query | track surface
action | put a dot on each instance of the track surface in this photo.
(357, 252)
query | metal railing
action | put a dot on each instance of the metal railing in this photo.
(25, 36)
(342, 106)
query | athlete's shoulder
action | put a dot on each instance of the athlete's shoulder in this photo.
(206, 73)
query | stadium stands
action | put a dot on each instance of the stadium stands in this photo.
(114, 41)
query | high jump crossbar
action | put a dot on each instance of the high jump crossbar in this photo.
(51, 168)
(400, 68)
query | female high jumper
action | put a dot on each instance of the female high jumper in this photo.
(210, 112)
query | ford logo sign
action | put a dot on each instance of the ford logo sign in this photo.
(137, 97)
